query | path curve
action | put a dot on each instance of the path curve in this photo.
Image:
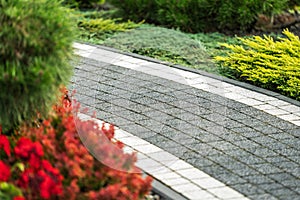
(202, 136)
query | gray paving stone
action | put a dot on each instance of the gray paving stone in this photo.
(224, 145)
(262, 197)
(283, 136)
(276, 160)
(266, 168)
(227, 177)
(257, 180)
(139, 108)
(237, 116)
(295, 172)
(285, 179)
(287, 164)
(295, 132)
(283, 125)
(288, 152)
(216, 117)
(270, 186)
(283, 193)
(247, 144)
(118, 120)
(210, 132)
(225, 161)
(268, 141)
(178, 151)
(198, 110)
(266, 129)
(200, 161)
(205, 150)
(152, 125)
(231, 136)
(246, 171)
(251, 159)
(263, 152)
(208, 137)
(146, 135)
(134, 128)
(248, 188)
(252, 122)
(186, 116)
(235, 105)
(161, 107)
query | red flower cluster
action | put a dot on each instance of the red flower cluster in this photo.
(29, 151)
(4, 144)
(38, 173)
(85, 177)
(56, 142)
(4, 172)
(46, 178)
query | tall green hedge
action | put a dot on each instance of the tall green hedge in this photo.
(200, 15)
(35, 46)
(270, 64)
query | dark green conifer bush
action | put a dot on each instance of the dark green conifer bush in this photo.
(35, 47)
(200, 15)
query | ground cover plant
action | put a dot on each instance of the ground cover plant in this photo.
(165, 44)
(267, 63)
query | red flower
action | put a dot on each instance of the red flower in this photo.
(47, 178)
(19, 198)
(24, 178)
(4, 171)
(4, 144)
(51, 180)
(29, 151)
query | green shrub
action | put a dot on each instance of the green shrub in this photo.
(199, 15)
(137, 10)
(35, 46)
(83, 4)
(164, 44)
(270, 64)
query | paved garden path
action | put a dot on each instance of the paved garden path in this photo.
(203, 136)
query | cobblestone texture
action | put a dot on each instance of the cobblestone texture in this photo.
(253, 152)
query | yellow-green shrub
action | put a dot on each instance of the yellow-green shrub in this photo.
(270, 64)
(106, 25)
(100, 28)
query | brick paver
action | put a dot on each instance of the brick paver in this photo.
(249, 142)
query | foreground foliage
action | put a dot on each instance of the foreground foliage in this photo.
(35, 47)
(49, 161)
(267, 63)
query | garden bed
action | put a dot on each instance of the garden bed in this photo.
(197, 50)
